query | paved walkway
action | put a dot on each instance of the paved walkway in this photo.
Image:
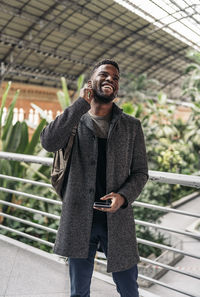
(26, 271)
(189, 264)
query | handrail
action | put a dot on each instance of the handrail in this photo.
(167, 286)
(156, 176)
(143, 241)
(23, 180)
(28, 223)
(166, 247)
(27, 236)
(166, 209)
(144, 223)
(174, 178)
(36, 197)
(26, 158)
(135, 203)
(156, 263)
(30, 209)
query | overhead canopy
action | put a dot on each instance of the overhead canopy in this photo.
(43, 40)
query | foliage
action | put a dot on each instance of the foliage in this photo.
(167, 138)
(14, 138)
(64, 97)
(191, 86)
(136, 88)
(172, 146)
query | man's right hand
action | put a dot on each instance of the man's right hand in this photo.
(87, 93)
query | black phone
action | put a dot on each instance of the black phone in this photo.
(102, 204)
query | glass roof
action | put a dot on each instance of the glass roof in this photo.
(42, 40)
(180, 18)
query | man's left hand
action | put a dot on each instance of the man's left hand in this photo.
(116, 202)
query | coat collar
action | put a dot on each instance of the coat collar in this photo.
(116, 114)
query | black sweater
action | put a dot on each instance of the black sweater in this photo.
(100, 216)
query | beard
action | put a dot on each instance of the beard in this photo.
(100, 97)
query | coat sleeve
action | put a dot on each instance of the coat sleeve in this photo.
(55, 136)
(138, 176)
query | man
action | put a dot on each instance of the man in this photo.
(108, 164)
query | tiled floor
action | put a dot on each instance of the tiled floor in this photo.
(29, 272)
(26, 271)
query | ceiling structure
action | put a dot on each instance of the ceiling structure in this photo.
(43, 40)
(179, 18)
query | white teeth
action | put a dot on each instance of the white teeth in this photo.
(107, 86)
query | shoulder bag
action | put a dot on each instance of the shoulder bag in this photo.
(60, 161)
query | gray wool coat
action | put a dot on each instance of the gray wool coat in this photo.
(126, 172)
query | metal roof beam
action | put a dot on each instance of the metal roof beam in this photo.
(128, 33)
(61, 56)
(46, 36)
(46, 51)
(32, 26)
(160, 20)
(185, 11)
(39, 73)
(58, 2)
(159, 63)
(100, 42)
(53, 25)
(172, 81)
(78, 8)
(166, 66)
(139, 38)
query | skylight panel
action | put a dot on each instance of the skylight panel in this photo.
(179, 18)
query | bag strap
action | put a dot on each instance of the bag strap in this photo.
(70, 143)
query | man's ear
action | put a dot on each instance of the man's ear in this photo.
(89, 83)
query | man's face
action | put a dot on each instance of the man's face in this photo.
(105, 83)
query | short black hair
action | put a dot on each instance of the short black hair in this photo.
(105, 62)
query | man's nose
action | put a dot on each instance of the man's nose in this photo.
(109, 78)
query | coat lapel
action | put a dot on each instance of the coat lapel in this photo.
(87, 121)
(116, 113)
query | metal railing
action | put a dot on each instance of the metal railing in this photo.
(162, 177)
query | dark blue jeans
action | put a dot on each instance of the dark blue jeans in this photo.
(81, 269)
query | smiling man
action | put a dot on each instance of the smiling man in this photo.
(107, 172)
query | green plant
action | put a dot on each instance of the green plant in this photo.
(64, 97)
(191, 85)
(14, 138)
(136, 88)
(172, 146)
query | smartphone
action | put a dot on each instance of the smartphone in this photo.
(102, 204)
